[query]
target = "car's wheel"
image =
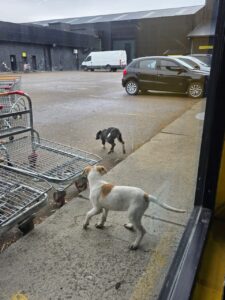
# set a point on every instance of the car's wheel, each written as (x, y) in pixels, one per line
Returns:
(108, 68)
(131, 87)
(195, 90)
(85, 68)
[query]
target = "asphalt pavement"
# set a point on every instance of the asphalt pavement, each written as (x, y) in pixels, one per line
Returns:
(59, 260)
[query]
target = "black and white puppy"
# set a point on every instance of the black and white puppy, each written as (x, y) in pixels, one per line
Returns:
(109, 135)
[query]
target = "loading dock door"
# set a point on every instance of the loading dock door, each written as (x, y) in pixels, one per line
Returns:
(127, 45)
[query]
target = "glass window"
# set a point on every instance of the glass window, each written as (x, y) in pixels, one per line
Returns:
(88, 58)
(148, 64)
(143, 126)
(168, 65)
(188, 61)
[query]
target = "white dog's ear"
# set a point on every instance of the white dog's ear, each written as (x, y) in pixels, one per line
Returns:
(101, 169)
(87, 170)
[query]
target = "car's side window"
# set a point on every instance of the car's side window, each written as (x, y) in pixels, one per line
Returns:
(148, 64)
(134, 65)
(167, 65)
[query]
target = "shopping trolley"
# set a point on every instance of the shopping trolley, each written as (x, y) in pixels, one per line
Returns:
(60, 165)
(9, 83)
(15, 113)
(21, 196)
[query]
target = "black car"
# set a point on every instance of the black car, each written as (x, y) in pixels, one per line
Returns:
(167, 74)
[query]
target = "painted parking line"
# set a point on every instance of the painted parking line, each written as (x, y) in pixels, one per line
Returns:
(19, 296)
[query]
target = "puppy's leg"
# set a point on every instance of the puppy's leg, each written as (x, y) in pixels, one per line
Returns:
(112, 148)
(94, 211)
(135, 215)
(122, 142)
(103, 143)
(100, 225)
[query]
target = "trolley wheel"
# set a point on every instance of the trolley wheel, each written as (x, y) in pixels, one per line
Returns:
(59, 197)
(81, 184)
(26, 226)
(11, 138)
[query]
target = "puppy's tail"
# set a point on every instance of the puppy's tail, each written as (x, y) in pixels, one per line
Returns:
(164, 205)
(163, 190)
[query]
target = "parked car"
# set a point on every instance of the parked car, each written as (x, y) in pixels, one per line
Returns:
(163, 73)
(194, 62)
(206, 58)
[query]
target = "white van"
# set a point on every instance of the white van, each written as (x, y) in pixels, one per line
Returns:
(109, 60)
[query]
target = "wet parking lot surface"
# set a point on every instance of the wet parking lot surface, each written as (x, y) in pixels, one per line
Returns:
(71, 107)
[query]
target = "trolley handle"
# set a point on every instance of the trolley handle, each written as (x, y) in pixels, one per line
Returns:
(21, 93)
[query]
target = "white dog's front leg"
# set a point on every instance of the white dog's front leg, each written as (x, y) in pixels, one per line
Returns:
(100, 225)
(94, 211)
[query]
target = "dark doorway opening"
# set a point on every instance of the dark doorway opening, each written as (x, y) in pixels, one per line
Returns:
(127, 45)
(13, 62)
(33, 63)
(128, 51)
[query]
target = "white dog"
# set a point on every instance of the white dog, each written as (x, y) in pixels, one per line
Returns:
(104, 197)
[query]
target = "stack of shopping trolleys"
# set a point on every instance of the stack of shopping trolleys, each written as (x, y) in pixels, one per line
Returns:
(30, 166)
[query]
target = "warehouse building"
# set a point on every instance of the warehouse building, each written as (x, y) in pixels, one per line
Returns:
(28, 47)
(202, 36)
(153, 32)
(62, 44)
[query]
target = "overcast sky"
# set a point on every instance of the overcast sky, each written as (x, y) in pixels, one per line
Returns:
(37, 10)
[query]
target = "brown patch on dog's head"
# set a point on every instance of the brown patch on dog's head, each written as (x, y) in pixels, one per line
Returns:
(146, 197)
(87, 170)
(106, 189)
(101, 169)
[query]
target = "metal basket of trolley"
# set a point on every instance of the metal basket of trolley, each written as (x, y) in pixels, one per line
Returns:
(60, 165)
(16, 105)
(9, 83)
(21, 197)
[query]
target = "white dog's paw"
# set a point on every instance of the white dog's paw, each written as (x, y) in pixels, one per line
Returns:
(99, 226)
(129, 226)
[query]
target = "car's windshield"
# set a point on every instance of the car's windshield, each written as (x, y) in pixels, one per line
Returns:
(198, 61)
(206, 59)
(185, 64)
(189, 62)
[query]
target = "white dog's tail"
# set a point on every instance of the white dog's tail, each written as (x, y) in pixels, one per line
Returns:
(164, 205)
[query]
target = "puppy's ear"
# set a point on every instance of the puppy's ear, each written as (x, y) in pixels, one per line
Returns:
(98, 134)
(101, 169)
(87, 170)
